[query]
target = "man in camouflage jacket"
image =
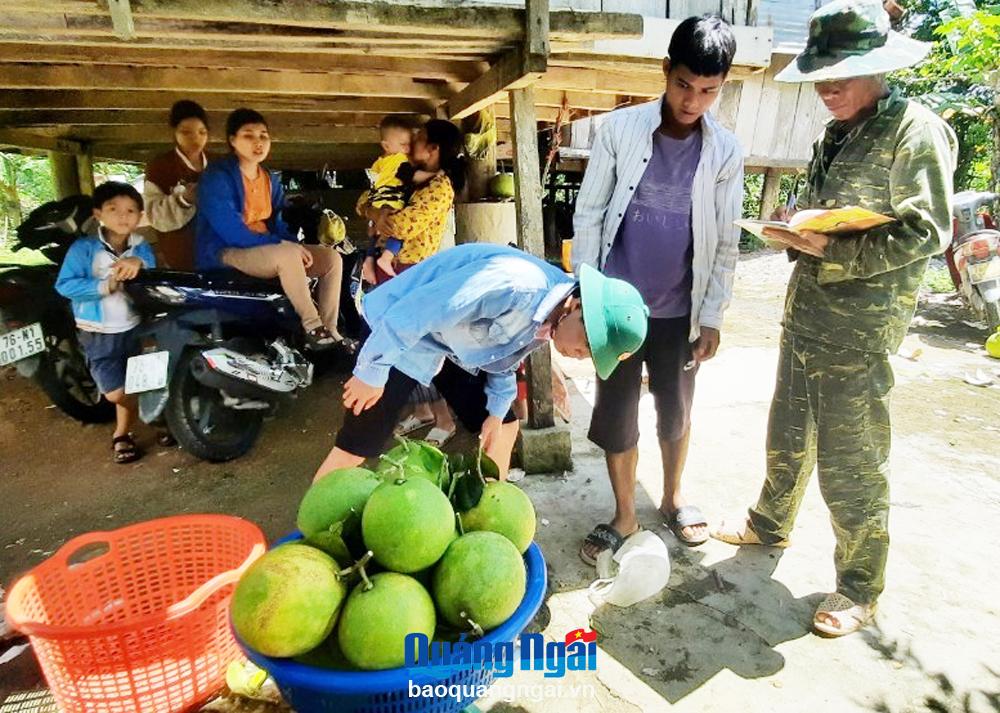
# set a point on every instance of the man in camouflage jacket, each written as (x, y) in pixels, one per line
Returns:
(850, 300)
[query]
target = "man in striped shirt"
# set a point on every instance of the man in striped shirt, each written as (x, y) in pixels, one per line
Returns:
(661, 191)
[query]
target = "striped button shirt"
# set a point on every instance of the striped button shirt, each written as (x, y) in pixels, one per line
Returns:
(620, 155)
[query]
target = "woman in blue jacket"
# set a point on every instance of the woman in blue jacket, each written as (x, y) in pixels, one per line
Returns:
(240, 226)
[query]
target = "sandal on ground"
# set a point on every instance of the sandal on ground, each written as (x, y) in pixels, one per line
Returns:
(743, 534)
(320, 339)
(604, 537)
(348, 346)
(687, 516)
(125, 450)
(165, 439)
(848, 616)
(410, 424)
(437, 437)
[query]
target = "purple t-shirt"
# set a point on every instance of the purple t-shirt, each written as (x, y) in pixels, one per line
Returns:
(653, 249)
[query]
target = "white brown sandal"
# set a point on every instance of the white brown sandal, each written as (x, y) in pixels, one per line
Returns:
(738, 535)
(849, 615)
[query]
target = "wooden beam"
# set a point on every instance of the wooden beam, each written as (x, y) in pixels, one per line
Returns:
(531, 238)
(117, 77)
(346, 16)
(515, 70)
(41, 99)
(537, 27)
(152, 134)
(635, 83)
(580, 100)
(121, 19)
(31, 140)
(297, 156)
(753, 44)
(412, 24)
(158, 117)
(97, 53)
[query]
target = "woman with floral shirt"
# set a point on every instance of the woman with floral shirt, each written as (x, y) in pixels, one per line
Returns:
(437, 148)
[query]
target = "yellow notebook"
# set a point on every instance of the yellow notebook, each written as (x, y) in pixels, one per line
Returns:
(830, 222)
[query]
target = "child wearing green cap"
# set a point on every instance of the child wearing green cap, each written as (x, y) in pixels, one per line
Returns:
(465, 319)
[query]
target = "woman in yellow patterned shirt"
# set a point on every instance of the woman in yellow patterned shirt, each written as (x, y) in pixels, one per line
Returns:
(421, 223)
(437, 148)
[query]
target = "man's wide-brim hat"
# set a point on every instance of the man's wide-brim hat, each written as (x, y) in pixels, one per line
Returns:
(851, 38)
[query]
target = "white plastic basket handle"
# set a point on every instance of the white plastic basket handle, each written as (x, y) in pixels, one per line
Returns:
(196, 598)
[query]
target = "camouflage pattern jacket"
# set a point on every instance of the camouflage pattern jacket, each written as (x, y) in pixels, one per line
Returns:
(900, 163)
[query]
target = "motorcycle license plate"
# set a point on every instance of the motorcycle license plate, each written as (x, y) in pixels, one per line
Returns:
(21, 343)
(146, 372)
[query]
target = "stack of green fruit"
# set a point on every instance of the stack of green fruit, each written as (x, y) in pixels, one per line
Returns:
(422, 544)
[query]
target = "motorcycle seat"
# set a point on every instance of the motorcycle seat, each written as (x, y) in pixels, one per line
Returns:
(229, 280)
(238, 282)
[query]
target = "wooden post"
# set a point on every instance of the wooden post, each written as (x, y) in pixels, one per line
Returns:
(531, 238)
(769, 195)
(85, 171)
(121, 19)
(64, 174)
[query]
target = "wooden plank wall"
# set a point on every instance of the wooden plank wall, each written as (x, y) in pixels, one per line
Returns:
(734, 11)
(775, 123)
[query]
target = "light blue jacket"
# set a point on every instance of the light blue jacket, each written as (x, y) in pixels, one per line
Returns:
(83, 280)
(479, 305)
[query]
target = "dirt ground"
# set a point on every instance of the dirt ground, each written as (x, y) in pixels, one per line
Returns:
(731, 630)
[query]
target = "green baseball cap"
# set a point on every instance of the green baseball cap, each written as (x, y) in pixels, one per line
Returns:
(851, 38)
(615, 318)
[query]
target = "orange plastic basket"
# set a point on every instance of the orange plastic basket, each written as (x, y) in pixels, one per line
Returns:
(137, 619)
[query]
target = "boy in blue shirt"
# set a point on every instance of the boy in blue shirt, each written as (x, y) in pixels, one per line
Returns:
(92, 278)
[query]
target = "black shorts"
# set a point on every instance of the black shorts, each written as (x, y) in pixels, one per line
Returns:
(366, 435)
(614, 425)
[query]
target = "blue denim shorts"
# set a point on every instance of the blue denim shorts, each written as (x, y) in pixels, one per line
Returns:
(107, 355)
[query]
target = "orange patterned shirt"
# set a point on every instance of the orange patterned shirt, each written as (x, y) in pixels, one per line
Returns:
(421, 224)
(257, 202)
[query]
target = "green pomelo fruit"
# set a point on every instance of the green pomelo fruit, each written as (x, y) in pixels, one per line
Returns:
(993, 344)
(408, 524)
(481, 577)
(414, 459)
(375, 622)
(504, 509)
(502, 185)
(286, 603)
(332, 507)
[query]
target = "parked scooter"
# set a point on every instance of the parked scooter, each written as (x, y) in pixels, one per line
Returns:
(233, 349)
(37, 329)
(974, 255)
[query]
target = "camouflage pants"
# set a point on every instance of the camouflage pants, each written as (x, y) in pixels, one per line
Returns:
(831, 410)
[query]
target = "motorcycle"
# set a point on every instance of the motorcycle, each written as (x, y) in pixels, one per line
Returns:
(974, 255)
(37, 329)
(228, 352)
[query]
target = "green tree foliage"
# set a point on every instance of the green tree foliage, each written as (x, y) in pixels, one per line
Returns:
(958, 79)
(26, 183)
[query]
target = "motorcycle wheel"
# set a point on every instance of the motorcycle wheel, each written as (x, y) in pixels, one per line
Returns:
(201, 424)
(64, 377)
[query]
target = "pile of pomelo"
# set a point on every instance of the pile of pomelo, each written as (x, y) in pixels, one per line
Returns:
(422, 544)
